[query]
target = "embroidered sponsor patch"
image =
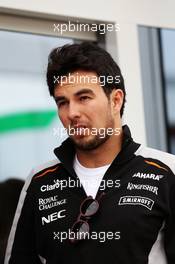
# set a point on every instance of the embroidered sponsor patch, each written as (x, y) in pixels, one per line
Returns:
(50, 202)
(150, 188)
(148, 176)
(136, 200)
(53, 217)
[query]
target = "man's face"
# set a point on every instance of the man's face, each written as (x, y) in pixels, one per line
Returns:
(85, 111)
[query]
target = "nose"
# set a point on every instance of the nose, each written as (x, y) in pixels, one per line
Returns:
(73, 111)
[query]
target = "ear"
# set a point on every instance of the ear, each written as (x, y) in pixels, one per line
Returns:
(117, 97)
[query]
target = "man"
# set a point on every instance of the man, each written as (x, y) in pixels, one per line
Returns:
(105, 198)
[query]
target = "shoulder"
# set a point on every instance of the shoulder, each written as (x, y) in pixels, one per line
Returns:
(46, 168)
(163, 158)
(41, 172)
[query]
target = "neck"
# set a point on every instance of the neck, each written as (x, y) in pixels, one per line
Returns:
(103, 155)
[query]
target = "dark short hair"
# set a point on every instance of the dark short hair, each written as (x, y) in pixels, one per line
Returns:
(85, 56)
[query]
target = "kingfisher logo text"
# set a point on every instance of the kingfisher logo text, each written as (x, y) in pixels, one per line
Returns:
(148, 176)
(132, 186)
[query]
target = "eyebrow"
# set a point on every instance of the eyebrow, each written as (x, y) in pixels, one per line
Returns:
(82, 91)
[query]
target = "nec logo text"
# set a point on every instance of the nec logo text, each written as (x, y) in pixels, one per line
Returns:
(53, 217)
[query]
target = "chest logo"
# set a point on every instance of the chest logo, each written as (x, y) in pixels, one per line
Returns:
(133, 186)
(152, 176)
(53, 217)
(136, 200)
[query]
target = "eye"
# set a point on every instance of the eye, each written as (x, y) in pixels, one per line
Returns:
(84, 98)
(61, 103)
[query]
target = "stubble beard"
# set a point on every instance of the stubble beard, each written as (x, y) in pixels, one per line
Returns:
(95, 141)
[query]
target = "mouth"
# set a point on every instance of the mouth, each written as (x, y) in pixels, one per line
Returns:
(80, 130)
(79, 126)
